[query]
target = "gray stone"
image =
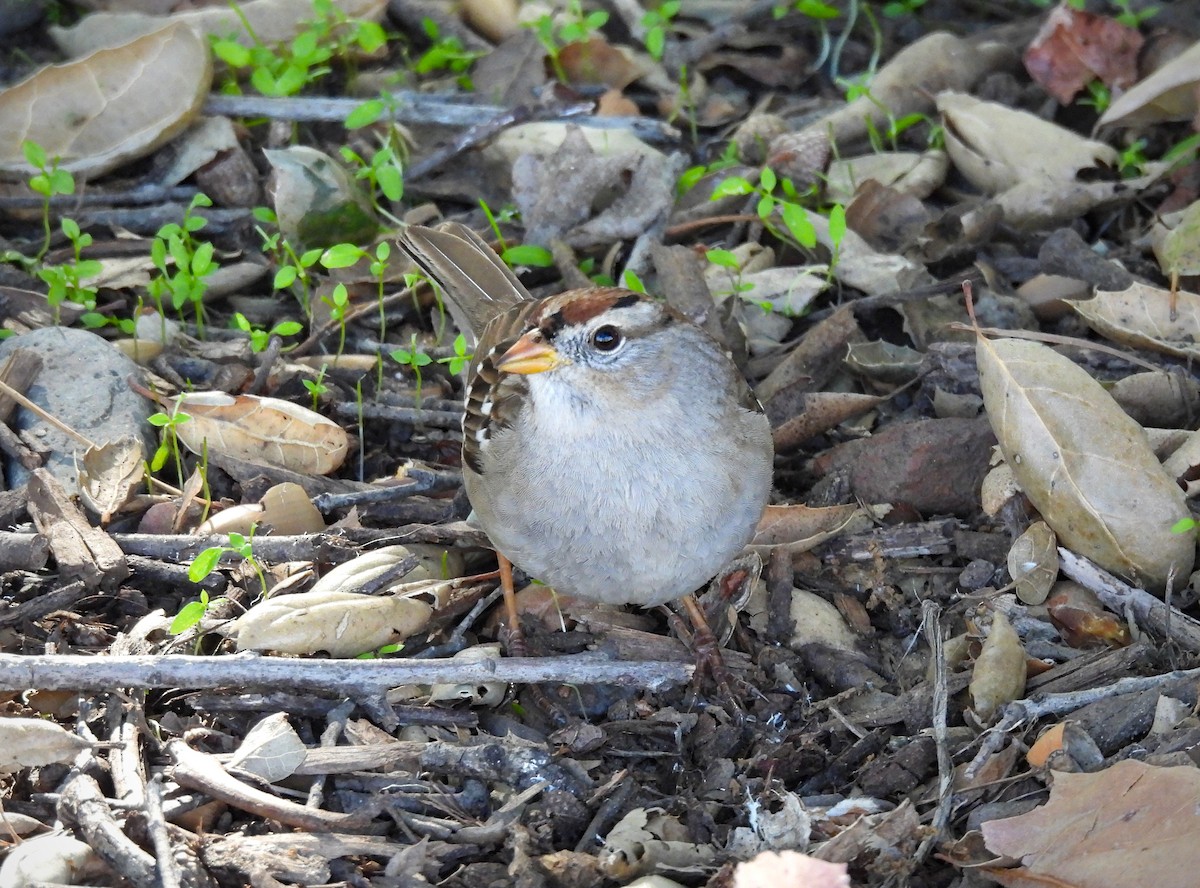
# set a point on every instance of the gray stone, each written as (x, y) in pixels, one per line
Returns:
(83, 384)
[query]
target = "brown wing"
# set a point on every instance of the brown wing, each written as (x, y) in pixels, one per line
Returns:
(477, 283)
(493, 398)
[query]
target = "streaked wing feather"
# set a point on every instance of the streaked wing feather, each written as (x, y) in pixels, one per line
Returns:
(477, 283)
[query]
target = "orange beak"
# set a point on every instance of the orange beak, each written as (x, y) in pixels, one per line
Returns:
(530, 354)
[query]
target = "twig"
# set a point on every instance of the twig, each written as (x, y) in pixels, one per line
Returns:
(932, 626)
(358, 678)
(1161, 620)
(11, 392)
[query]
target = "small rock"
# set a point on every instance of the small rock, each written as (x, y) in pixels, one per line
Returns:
(83, 384)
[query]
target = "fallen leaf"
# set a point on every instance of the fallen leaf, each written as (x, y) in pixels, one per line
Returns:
(1081, 460)
(1099, 829)
(1033, 562)
(1074, 47)
(1140, 316)
(1167, 94)
(343, 624)
(999, 673)
(33, 742)
(261, 430)
(109, 108)
(272, 21)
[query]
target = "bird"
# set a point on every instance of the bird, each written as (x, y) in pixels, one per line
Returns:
(611, 448)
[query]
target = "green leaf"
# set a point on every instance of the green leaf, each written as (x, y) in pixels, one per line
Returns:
(204, 563)
(766, 203)
(631, 281)
(837, 224)
(528, 254)
(287, 328)
(767, 179)
(285, 277)
(342, 256)
(365, 114)
(34, 153)
(1184, 525)
(202, 259)
(391, 182)
(731, 186)
(723, 258)
(232, 53)
(798, 224)
(189, 615)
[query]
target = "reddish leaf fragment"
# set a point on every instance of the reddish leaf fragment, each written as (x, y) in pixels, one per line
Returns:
(1074, 47)
(1099, 829)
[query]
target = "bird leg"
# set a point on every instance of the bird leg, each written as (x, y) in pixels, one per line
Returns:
(706, 647)
(514, 638)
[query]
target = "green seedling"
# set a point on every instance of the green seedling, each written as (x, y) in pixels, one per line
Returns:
(657, 23)
(461, 357)
(239, 544)
(376, 654)
(65, 282)
(181, 280)
(259, 338)
(338, 302)
(317, 388)
(285, 70)
(813, 9)
(49, 182)
(413, 356)
(169, 446)
(575, 26)
(446, 53)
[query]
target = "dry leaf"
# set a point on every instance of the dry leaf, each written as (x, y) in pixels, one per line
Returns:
(425, 562)
(1074, 47)
(1141, 316)
(112, 107)
(645, 840)
(1179, 251)
(1167, 94)
(343, 624)
(998, 148)
(1099, 829)
(999, 673)
(800, 527)
(54, 859)
(476, 693)
(908, 172)
(317, 202)
(597, 62)
(1085, 465)
(273, 22)
(1081, 618)
(109, 474)
(33, 742)
(271, 750)
(262, 430)
(1033, 562)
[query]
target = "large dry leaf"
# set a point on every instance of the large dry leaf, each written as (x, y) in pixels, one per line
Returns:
(112, 107)
(997, 147)
(1167, 94)
(343, 624)
(273, 22)
(262, 430)
(1083, 462)
(1141, 316)
(33, 742)
(1098, 830)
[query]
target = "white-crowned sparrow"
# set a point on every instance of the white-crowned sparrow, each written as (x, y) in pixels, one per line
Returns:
(611, 448)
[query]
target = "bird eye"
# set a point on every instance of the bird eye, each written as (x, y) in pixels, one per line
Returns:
(607, 338)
